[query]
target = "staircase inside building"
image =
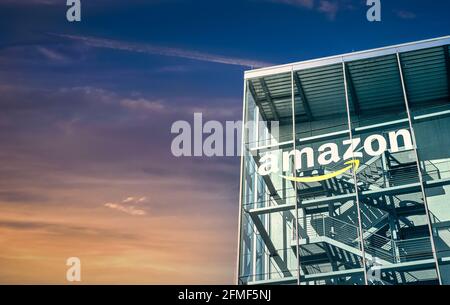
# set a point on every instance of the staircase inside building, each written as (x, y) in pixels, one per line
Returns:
(333, 243)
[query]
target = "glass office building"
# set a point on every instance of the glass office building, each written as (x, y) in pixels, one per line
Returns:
(345, 172)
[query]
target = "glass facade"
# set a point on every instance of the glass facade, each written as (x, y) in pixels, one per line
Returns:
(345, 172)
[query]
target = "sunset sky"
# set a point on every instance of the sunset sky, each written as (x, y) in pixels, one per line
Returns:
(86, 109)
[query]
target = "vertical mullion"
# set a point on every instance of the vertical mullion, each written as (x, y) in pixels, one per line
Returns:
(419, 170)
(266, 216)
(295, 175)
(255, 194)
(361, 233)
(238, 261)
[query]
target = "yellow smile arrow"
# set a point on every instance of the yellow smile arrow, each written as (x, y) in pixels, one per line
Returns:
(352, 164)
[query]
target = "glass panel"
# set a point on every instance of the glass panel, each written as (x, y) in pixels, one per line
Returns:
(268, 200)
(393, 217)
(329, 241)
(428, 82)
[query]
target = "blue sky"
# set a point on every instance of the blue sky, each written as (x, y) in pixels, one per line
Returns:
(86, 115)
(272, 31)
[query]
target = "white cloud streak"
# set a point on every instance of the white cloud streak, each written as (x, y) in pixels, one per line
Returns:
(52, 55)
(142, 104)
(127, 206)
(162, 51)
(405, 14)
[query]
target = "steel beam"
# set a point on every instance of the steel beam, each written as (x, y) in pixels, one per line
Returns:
(252, 90)
(302, 94)
(269, 99)
(351, 89)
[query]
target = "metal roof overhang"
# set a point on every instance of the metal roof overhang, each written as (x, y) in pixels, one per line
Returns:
(373, 77)
(423, 44)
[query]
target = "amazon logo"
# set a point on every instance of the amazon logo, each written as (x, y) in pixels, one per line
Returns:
(330, 153)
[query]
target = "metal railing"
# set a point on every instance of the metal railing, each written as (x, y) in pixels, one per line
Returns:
(434, 173)
(414, 249)
(436, 170)
(377, 246)
(326, 226)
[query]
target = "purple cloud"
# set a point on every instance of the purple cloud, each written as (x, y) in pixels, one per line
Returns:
(405, 14)
(329, 8)
(300, 3)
